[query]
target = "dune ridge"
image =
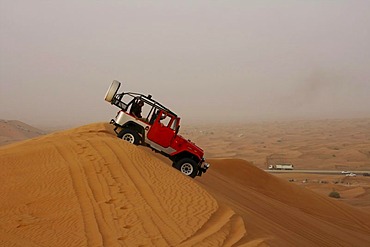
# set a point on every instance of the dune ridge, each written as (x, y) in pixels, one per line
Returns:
(85, 187)
(13, 131)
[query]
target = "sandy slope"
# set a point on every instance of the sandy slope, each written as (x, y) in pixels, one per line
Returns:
(13, 131)
(281, 213)
(85, 187)
(354, 191)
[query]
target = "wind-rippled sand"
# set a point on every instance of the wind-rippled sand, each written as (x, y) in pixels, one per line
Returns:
(86, 187)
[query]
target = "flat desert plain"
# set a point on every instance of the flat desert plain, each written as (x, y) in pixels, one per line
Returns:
(86, 187)
(321, 144)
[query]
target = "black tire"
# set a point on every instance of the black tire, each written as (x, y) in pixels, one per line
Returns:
(129, 135)
(188, 167)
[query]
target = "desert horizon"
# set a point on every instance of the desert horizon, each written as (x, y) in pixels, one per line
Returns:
(334, 144)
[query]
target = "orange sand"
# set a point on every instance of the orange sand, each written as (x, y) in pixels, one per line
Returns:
(86, 187)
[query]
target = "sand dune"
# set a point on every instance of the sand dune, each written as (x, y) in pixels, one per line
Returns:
(13, 131)
(85, 187)
(281, 213)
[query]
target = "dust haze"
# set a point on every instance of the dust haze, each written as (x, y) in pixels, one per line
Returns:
(209, 61)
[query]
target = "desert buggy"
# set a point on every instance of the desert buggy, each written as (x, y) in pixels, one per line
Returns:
(157, 128)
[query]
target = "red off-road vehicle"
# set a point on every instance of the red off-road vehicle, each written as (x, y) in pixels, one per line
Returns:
(157, 128)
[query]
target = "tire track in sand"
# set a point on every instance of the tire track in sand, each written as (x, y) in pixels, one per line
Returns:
(129, 198)
(109, 209)
(206, 214)
(78, 177)
(224, 228)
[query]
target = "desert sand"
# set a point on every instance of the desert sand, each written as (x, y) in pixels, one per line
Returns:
(354, 191)
(333, 144)
(86, 187)
(13, 131)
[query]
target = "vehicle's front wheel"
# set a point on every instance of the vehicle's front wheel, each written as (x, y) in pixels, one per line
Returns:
(187, 166)
(129, 135)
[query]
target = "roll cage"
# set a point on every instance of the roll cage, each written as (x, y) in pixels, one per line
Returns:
(126, 100)
(134, 98)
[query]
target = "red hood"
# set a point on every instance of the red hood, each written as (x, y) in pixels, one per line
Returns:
(190, 146)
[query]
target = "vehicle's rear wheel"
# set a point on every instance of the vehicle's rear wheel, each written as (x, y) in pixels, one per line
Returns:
(112, 90)
(187, 166)
(129, 135)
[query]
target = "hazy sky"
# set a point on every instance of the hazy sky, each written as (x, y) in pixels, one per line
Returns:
(206, 60)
